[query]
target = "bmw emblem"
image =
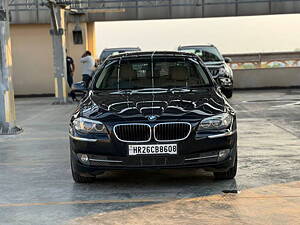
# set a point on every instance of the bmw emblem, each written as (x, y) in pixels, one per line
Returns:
(152, 118)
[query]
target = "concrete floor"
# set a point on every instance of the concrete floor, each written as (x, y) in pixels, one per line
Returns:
(37, 188)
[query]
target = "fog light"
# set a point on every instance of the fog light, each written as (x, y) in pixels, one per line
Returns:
(83, 158)
(223, 154)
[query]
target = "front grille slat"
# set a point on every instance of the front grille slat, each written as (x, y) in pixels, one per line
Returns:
(133, 132)
(172, 131)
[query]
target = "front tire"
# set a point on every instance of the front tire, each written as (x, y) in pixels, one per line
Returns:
(230, 174)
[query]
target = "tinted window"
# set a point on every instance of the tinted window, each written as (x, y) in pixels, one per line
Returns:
(145, 73)
(77, 37)
(107, 53)
(207, 54)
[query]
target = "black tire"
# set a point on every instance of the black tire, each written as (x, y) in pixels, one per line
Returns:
(228, 93)
(230, 174)
(80, 179)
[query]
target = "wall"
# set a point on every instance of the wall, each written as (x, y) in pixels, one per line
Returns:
(274, 77)
(32, 62)
(32, 56)
(32, 59)
(76, 51)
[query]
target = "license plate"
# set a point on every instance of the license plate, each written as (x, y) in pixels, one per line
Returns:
(170, 149)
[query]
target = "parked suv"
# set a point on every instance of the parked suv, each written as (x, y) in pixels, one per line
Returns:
(216, 63)
(152, 110)
(113, 51)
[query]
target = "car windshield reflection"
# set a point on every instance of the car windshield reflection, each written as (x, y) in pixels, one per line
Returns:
(152, 73)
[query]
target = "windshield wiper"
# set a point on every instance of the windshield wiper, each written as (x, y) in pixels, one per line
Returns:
(155, 90)
(150, 90)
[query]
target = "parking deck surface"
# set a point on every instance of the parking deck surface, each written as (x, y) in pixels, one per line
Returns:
(36, 185)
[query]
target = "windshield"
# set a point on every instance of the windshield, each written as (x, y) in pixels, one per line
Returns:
(151, 73)
(206, 53)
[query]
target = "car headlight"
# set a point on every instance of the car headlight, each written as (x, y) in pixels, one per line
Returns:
(222, 71)
(220, 121)
(226, 71)
(89, 126)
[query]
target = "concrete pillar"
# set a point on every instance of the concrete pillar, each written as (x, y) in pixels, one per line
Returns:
(91, 39)
(59, 53)
(7, 104)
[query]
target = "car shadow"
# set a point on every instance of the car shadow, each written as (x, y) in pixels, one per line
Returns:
(124, 190)
(165, 183)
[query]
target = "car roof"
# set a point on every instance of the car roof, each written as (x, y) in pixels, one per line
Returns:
(153, 53)
(196, 46)
(117, 49)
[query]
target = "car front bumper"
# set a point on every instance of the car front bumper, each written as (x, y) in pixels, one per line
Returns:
(198, 151)
(226, 83)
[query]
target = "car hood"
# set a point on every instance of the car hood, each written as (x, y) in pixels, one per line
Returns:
(152, 104)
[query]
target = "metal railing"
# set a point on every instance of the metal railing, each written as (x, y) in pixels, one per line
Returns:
(27, 5)
(33, 11)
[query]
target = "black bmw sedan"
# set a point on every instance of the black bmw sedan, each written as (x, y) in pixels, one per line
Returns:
(152, 110)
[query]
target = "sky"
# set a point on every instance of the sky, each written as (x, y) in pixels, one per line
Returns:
(247, 34)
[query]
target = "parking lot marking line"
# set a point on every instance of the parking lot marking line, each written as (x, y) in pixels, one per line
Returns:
(43, 163)
(285, 129)
(88, 202)
(203, 198)
(36, 139)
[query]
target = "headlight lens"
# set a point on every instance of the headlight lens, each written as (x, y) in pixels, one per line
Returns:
(226, 70)
(89, 126)
(220, 121)
(222, 71)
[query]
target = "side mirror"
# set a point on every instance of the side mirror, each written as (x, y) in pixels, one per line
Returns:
(227, 60)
